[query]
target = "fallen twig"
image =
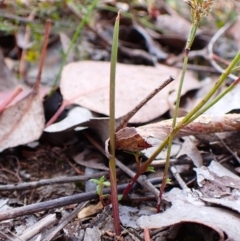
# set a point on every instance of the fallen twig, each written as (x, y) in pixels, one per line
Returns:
(64, 222)
(37, 227)
(55, 203)
(45, 182)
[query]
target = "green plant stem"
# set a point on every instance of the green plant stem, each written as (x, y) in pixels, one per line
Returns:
(170, 140)
(192, 35)
(183, 122)
(220, 96)
(199, 106)
(73, 41)
(112, 164)
(221, 79)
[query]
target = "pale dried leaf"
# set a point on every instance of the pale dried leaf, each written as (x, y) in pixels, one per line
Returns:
(189, 148)
(75, 116)
(229, 102)
(128, 216)
(221, 171)
(92, 159)
(22, 122)
(220, 220)
(175, 148)
(218, 188)
(23, 94)
(87, 83)
(90, 210)
(92, 234)
(100, 127)
(129, 139)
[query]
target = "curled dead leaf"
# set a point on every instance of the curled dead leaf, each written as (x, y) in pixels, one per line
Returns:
(128, 139)
(136, 139)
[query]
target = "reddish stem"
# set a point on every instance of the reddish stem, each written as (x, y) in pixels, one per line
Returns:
(43, 55)
(58, 113)
(146, 235)
(10, 98)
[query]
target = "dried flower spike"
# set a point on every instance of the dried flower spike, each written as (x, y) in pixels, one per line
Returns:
(200, 8)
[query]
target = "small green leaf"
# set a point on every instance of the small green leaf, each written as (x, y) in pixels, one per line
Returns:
(98, 190)
(168, 181)
(120, 197)
(150, 169)
(107, 184)
(96, 181)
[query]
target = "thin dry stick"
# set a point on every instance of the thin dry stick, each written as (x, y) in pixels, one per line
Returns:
(3, 169)
(43, 55)
(124, 119)
(45, 182)
(36, 228)
(17, 18)
(178, 178)
(7, 236)
(55, 203)
(64, 104)
(216, 36)
(65, 221)
(228, 148)
(146, 235)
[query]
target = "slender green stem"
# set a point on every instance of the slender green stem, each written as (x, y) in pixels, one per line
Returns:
(208, 106)
(192, 35)
(185, 62)
(73, 40)
(112, 164)
(221, 79)
(191, 113)
(187, 49)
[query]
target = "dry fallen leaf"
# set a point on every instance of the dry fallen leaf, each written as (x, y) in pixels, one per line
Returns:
(87, 83)
(187, 208)
(75, 116)
(229, 102)
(91, 159)
(23, 122)
(219, 186)
(129, 139)
(90, 210)
(162, 155)
(189, 148)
